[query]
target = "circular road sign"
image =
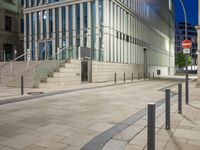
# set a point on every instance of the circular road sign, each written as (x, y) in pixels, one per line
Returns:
(186, 44)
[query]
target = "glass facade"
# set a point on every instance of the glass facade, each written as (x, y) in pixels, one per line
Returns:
(116, 31)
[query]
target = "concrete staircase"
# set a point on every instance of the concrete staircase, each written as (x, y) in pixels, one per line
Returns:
(63, 74)
(68, 73)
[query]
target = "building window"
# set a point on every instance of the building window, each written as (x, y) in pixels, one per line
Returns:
(9, 1)
(8, 23)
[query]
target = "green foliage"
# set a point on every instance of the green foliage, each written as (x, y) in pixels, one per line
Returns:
(181, 58)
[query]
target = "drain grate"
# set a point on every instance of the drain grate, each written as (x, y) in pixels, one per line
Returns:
(35, 93)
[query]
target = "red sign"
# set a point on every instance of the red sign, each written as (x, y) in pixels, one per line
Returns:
(186, 44)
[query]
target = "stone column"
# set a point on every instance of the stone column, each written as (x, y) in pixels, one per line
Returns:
(111, 33)
(30, 32)
(36, 36)
(97, 30)
(81, 25)
(106, 30)
(60, 27)
(89, 25)
(67, 27)
(41, 25)
(47, 24)
(74, 32)
(25, 33)
(115, 33)
(54, 33)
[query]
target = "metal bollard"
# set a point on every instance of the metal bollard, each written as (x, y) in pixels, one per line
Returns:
(115, 78)
(149, 75)
(167, 109)
(132, 76)
(180, 98)
(22, 85)
(151, 126)
(138, 76)
(124, 77)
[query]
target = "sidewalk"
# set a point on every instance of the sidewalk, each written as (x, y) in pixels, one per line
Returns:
(184, 133)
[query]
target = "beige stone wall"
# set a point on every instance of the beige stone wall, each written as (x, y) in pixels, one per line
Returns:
(104, 71)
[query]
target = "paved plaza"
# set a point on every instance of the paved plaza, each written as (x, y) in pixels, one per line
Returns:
(73, 120)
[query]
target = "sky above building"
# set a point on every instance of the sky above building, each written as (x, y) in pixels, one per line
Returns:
(191, 9)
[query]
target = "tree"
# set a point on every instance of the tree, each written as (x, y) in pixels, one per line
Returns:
(181, 58)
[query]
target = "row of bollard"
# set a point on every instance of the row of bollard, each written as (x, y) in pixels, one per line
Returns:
(151, 119)
(139, 77)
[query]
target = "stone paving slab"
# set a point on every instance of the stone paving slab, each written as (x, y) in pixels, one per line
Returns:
(70, 120)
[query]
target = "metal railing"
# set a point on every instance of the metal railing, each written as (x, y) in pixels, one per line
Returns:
(52, 64)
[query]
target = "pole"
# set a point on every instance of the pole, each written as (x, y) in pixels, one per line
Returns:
(167, 109)
(132, 76)
(115, 78)
(186, 69)
(124, 77)
(149, 75)
(151, 126)
(22, 85)
(180, 98)
(138, 76)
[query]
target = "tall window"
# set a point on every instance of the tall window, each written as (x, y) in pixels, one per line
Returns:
(8, 23)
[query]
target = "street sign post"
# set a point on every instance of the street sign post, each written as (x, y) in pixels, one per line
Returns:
(186, 44)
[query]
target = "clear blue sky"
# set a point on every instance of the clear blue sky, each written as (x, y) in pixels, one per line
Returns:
(192, 11)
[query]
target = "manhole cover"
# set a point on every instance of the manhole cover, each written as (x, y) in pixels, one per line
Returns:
(35, 93)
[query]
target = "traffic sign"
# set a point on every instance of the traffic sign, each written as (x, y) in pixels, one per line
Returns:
(186, 51)
(186, 44)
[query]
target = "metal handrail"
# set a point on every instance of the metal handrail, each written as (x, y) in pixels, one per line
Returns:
(12, 60)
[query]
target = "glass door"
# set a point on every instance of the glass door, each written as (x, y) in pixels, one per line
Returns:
(42, 50)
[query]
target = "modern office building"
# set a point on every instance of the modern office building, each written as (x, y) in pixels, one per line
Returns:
(180, 36)
(11, 29)
(123, 35)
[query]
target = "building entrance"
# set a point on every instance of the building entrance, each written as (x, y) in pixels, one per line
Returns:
(145, 63)
(84, 71)
(45, 50)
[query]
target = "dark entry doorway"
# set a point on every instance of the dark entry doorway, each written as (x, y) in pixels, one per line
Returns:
(84, 71)
(145, 63)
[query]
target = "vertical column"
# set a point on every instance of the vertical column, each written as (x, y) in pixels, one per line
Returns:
(30, 31)
(115, 33)
(81, 25)
(106, 30)
(119, 33)
(25, 33)
(89, 25)
(97, 29)
(121, 30)
(125, 32)
(128, 46)
(29, 3)
(74, 32)
(47, 24)
(111, 33)
(60, 27)
(41, 25)
(54, 32)
(67, 27)
(36, 37)
(25, 4)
